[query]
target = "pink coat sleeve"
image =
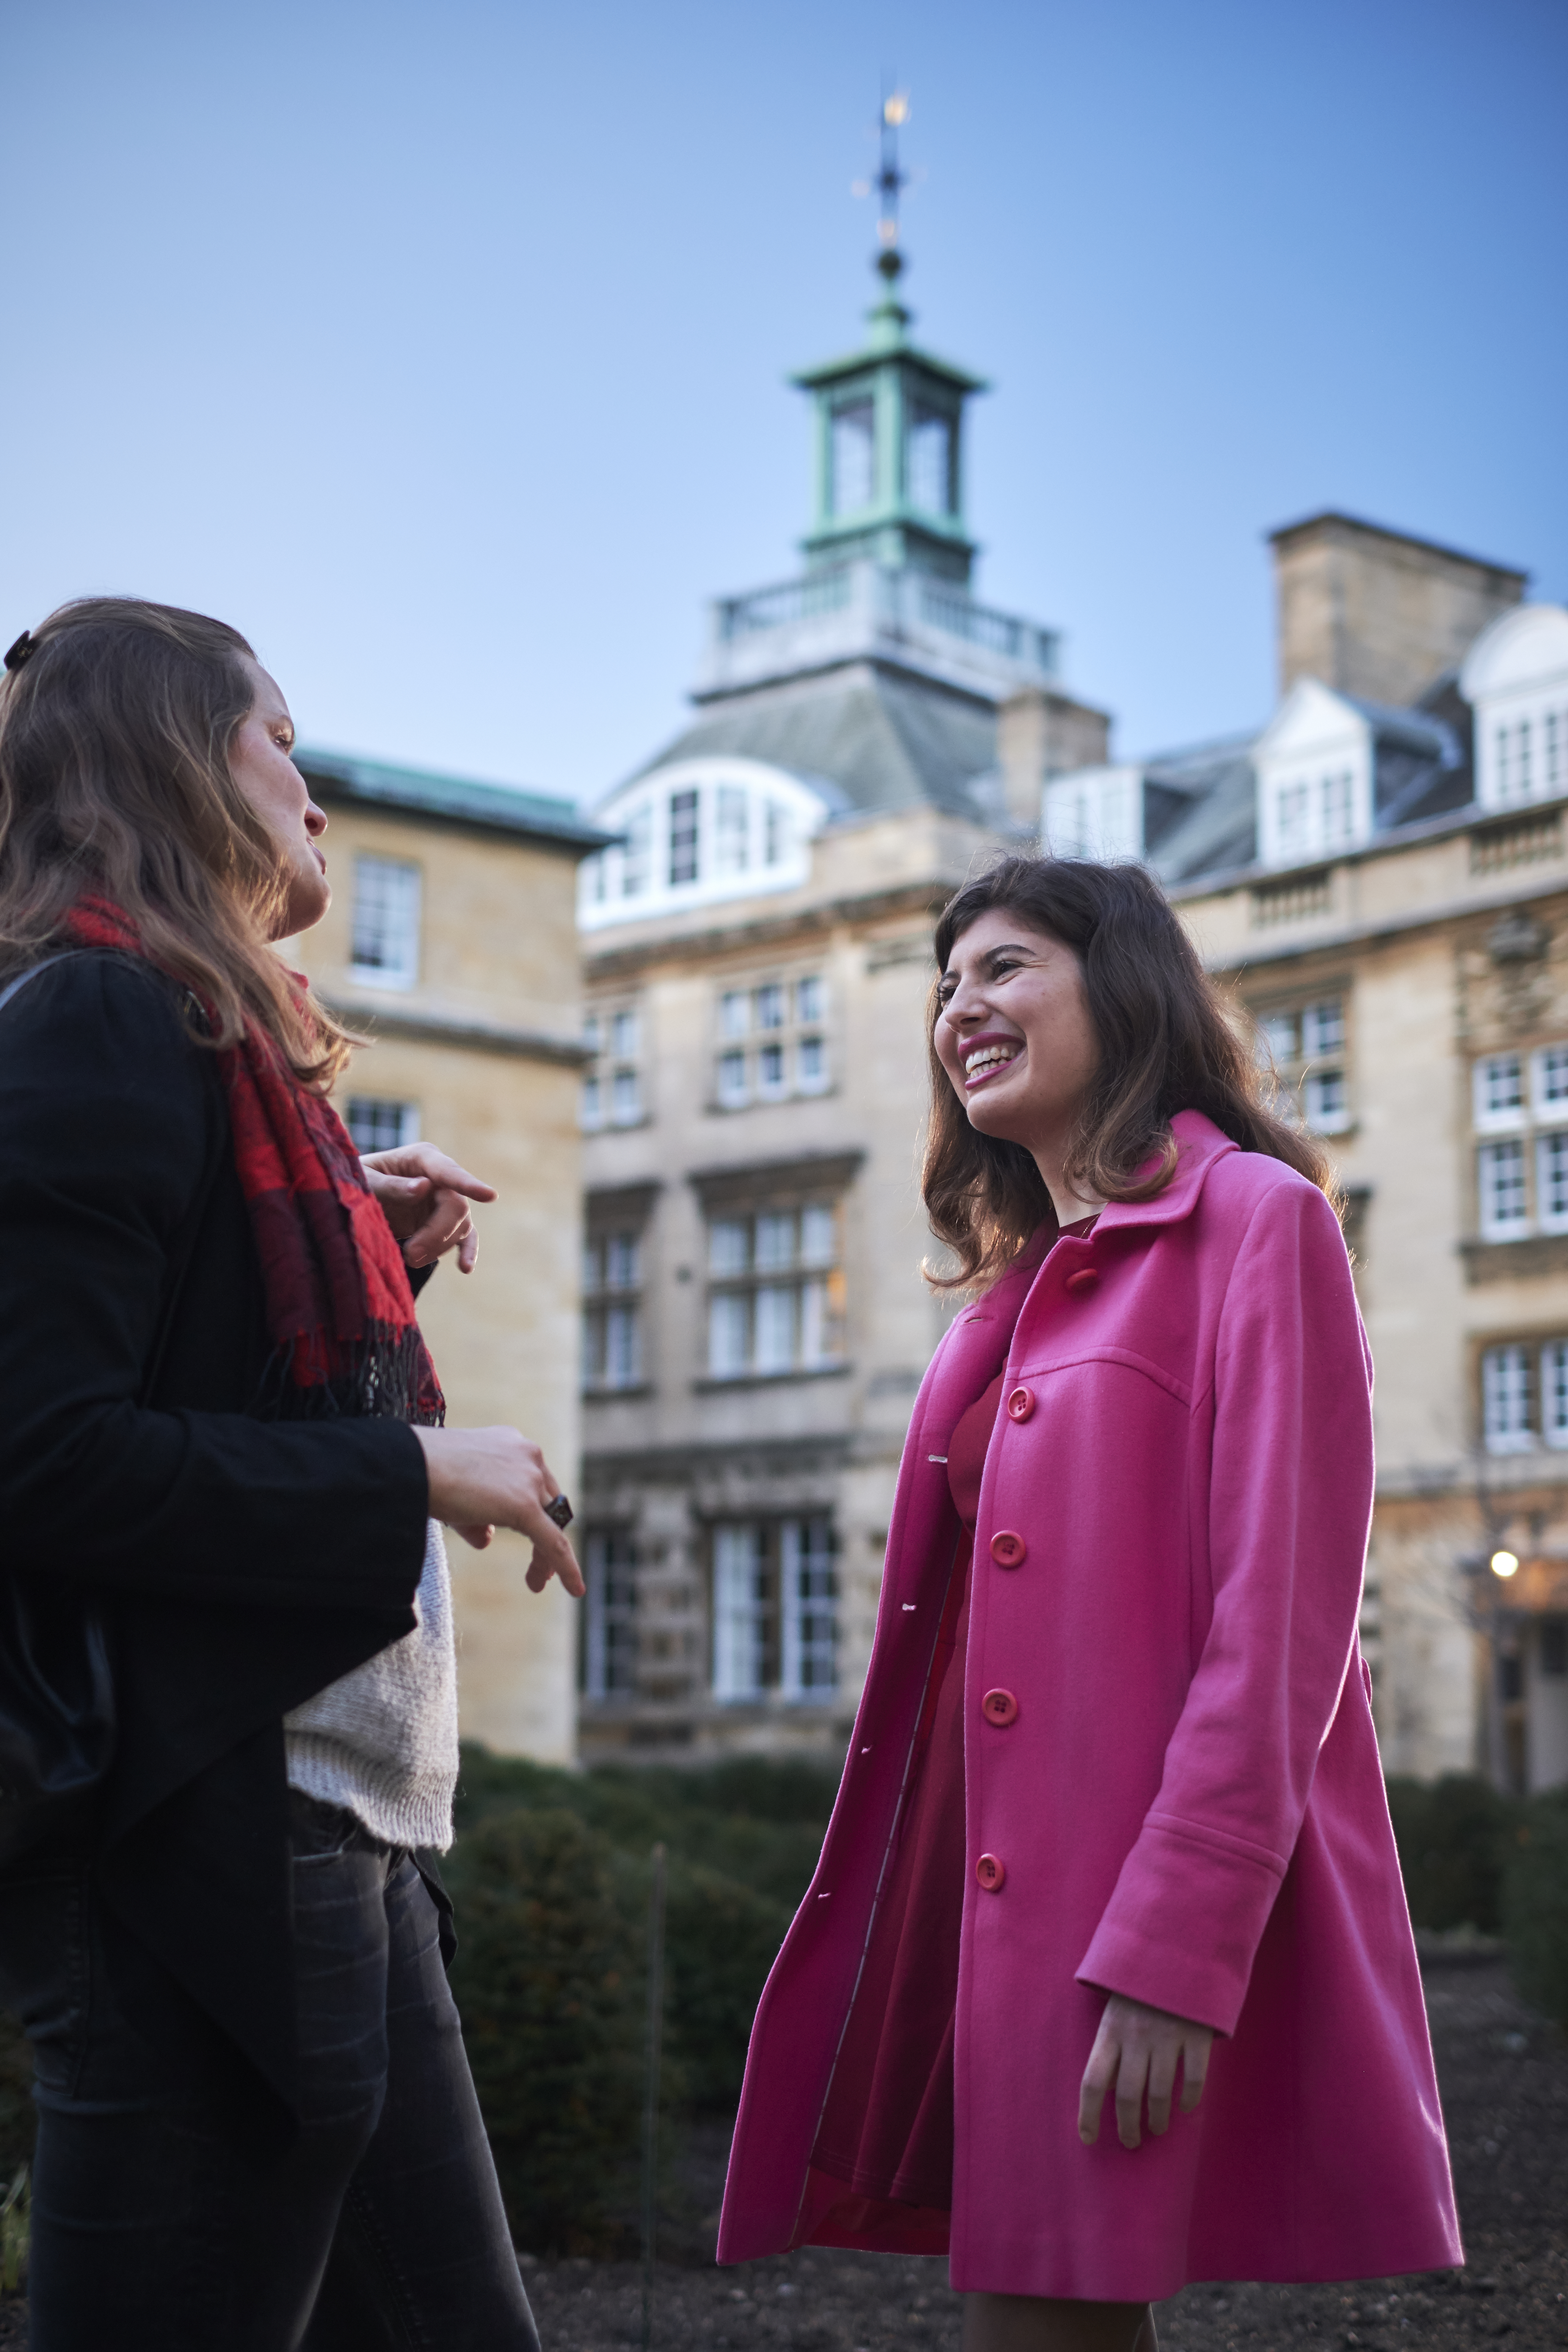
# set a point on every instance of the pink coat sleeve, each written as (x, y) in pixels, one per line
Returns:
(1290, 1509)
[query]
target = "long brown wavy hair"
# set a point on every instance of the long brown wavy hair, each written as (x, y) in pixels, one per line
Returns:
(115, 777)
(1166, 1045)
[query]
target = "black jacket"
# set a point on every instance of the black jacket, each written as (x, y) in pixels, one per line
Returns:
(243, 1563)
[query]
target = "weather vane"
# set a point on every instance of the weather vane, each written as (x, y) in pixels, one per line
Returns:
(890, 178)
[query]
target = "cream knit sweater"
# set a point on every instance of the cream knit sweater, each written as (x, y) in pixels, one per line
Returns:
(383, 1741)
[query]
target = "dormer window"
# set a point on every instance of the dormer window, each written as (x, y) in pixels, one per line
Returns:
(702, 830)
(1314, 764)
(1515, 676)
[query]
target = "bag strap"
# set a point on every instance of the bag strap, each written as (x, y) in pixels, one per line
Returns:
(184, 1244)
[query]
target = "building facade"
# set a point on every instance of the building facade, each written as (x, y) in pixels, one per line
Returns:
(757, 946)
(1381, 877)
(451, 942)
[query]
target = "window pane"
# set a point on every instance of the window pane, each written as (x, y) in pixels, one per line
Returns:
(386, 921)
(1499, 1090)
(1552, 729)
(727, 1246)
(851, 454)
(1552, 1181)
(621, 1261)
(808, 1592)
(637, 852)
(771, 1070)
(1293, 820)
(931, 462)
(593, 1266)
(592, 1034)
(777, 834)
(811, 1064)
(1339, 814)
(734, 1012)
(771, 1006)
(808, 1000)
(624, 1036)
(775, 1329)
(1325, 1101)
(1554, 1392)
(818, 1236)
(732, 1079)
(626, 1099)
(776, 1239)
(622, 1352)
(1279, 1032)
(593, 1363)
(1552, 1081)
(727, 1336)
(682, 837)
(378, 1126)
(1506, 1399)
(1523, 747)
(592, 1102)
(1502, 1191)
(609, 1623)
(739, 1629)
(1324, 1027)
(730, 830)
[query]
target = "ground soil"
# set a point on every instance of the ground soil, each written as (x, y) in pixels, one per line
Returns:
(1504, 2078)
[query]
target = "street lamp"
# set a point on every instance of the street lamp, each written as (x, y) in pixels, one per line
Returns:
(1505, 1564)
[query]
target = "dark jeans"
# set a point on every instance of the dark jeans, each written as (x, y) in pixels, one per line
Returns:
(381, 2228)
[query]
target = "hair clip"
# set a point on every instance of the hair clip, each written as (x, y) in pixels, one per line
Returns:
(22, 651)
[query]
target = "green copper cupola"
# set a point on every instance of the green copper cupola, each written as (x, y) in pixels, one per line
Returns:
(889, 444)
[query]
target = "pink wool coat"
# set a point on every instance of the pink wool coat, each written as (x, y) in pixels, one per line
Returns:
(1187, 1805)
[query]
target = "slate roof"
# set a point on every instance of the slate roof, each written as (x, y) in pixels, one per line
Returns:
(886, 740)
(459, 799)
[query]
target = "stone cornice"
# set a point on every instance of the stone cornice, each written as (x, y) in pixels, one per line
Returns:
(412, 1025)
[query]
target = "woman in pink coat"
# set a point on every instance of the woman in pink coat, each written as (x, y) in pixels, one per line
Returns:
(1112, 1826)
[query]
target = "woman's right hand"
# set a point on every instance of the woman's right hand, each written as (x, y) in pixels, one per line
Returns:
(481, 1479)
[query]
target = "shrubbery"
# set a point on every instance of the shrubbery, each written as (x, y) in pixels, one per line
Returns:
(550, 1878)
(1452, 1835)
(1535, 1904)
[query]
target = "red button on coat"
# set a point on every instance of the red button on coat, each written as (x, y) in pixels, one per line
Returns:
(1020, 1404)
(1007, 1549)
(1000, 1708)
(990, 1874)
(1086, 1278)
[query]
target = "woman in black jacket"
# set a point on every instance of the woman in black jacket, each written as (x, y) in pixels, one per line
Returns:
(220, 1439)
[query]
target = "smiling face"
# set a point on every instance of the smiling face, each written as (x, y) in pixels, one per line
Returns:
(260, 764)
(1014, 1036)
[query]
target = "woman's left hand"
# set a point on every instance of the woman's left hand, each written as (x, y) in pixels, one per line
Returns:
(424, 1198)
(1138, 2049)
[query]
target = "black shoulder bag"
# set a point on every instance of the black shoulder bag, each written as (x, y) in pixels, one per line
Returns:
(57, 1683)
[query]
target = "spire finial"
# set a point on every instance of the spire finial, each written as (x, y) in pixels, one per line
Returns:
(891, 180)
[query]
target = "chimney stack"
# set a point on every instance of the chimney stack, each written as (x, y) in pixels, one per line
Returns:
(1040, 735)
(1376, 613)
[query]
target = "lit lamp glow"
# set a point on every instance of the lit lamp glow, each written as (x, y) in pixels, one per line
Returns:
(1505, 1564)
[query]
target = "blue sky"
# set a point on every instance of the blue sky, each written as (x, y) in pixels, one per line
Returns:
(443, 348)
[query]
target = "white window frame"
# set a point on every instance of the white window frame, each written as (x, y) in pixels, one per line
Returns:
(777, 1291)
(808, 1599)
(1490, 1159)
(1507, 1404)
(1493, 1118)
(740, 1604)
(611, 1603)
(392, 925)
(1554, 1393)
(359, 1110)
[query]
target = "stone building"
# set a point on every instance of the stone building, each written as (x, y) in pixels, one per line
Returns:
(1381, 874)
(757, 952)
(451, 940)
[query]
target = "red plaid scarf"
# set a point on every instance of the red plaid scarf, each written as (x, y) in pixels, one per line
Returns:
(338, 1302)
